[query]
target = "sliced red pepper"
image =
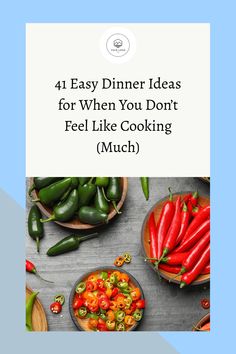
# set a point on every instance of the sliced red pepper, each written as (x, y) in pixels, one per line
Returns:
(140, 304)
(91, 286)
(104, 303)
(114, 292)
(78, 302)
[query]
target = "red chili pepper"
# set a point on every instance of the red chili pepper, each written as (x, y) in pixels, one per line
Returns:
(152, 236)
(170, 240)
(194, 198)
(30, 268)
(77, 302)
(186, 199)
(140, 304)
(196, 210)
(189, 277)
(185, 218)
(176, 269)
(56, 307)
(205, 303)
(203, 215)
(175, 258)
(165, 221)
(114, 292)
(169, 268)
(193, 256)
(207, 269)
(193, 238)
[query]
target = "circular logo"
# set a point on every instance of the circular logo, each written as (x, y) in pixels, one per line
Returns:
(118, 45)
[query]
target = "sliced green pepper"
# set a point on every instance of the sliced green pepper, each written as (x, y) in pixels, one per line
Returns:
(127, 302)
(120, 326)
(103, 316)
(60, 298)
(92, 315)
(82, 311)
(108, 284)
(104, 275)
(137, 315)
(113, 278)
(80, 288)
(122, 285)
(119, 315)
(127, 257)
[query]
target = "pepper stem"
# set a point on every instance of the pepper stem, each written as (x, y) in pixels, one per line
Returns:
(104, 195)
(182, 271)
(37, 243)
(115, 207)
(52, 217)
(35, 200)
(87, 237)
(38, 275)
(171, 195)
(31, 189)
(91, 180)
(182, 284)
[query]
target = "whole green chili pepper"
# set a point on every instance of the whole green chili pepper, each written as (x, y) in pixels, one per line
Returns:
(68, 244)
(29, 310)
(41, 182)
(83, 180)
(86, 193)
(52, 193)
(90, 215)
(114, 192)
(100, 202)
(66, 210)
(102, 181)
(145, 186)
(35, 227)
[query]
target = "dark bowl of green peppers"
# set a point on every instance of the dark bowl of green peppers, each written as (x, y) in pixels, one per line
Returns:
(80, 203)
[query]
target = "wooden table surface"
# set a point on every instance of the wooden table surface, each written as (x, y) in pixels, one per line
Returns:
(168, 307)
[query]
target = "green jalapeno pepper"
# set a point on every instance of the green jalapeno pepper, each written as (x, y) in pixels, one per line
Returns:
(126, 291)
(90, 215)
(41, 182)
(114, 192)
(83, 180)
(66, 210)
(104, 275)
(86, 193)
(120, 327)
(103, 316)
(68, 244)
(122, 285)
(100, 202)
(145, 186)
(102, 181)
(35, 227)
(29, 310)
(113, 279)
(127, 257)
(60, 298)
(92, 315)
(127, 302)
(137, 315)
(119, 315)
(52, 193)
(108, 284)
(80, 288)
(82, 312)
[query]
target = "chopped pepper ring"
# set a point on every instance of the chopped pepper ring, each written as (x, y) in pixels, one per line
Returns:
(127, 257)
(119, 261)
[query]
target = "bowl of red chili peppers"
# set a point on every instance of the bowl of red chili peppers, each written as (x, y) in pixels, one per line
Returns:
(107, 299)
(176, 238)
